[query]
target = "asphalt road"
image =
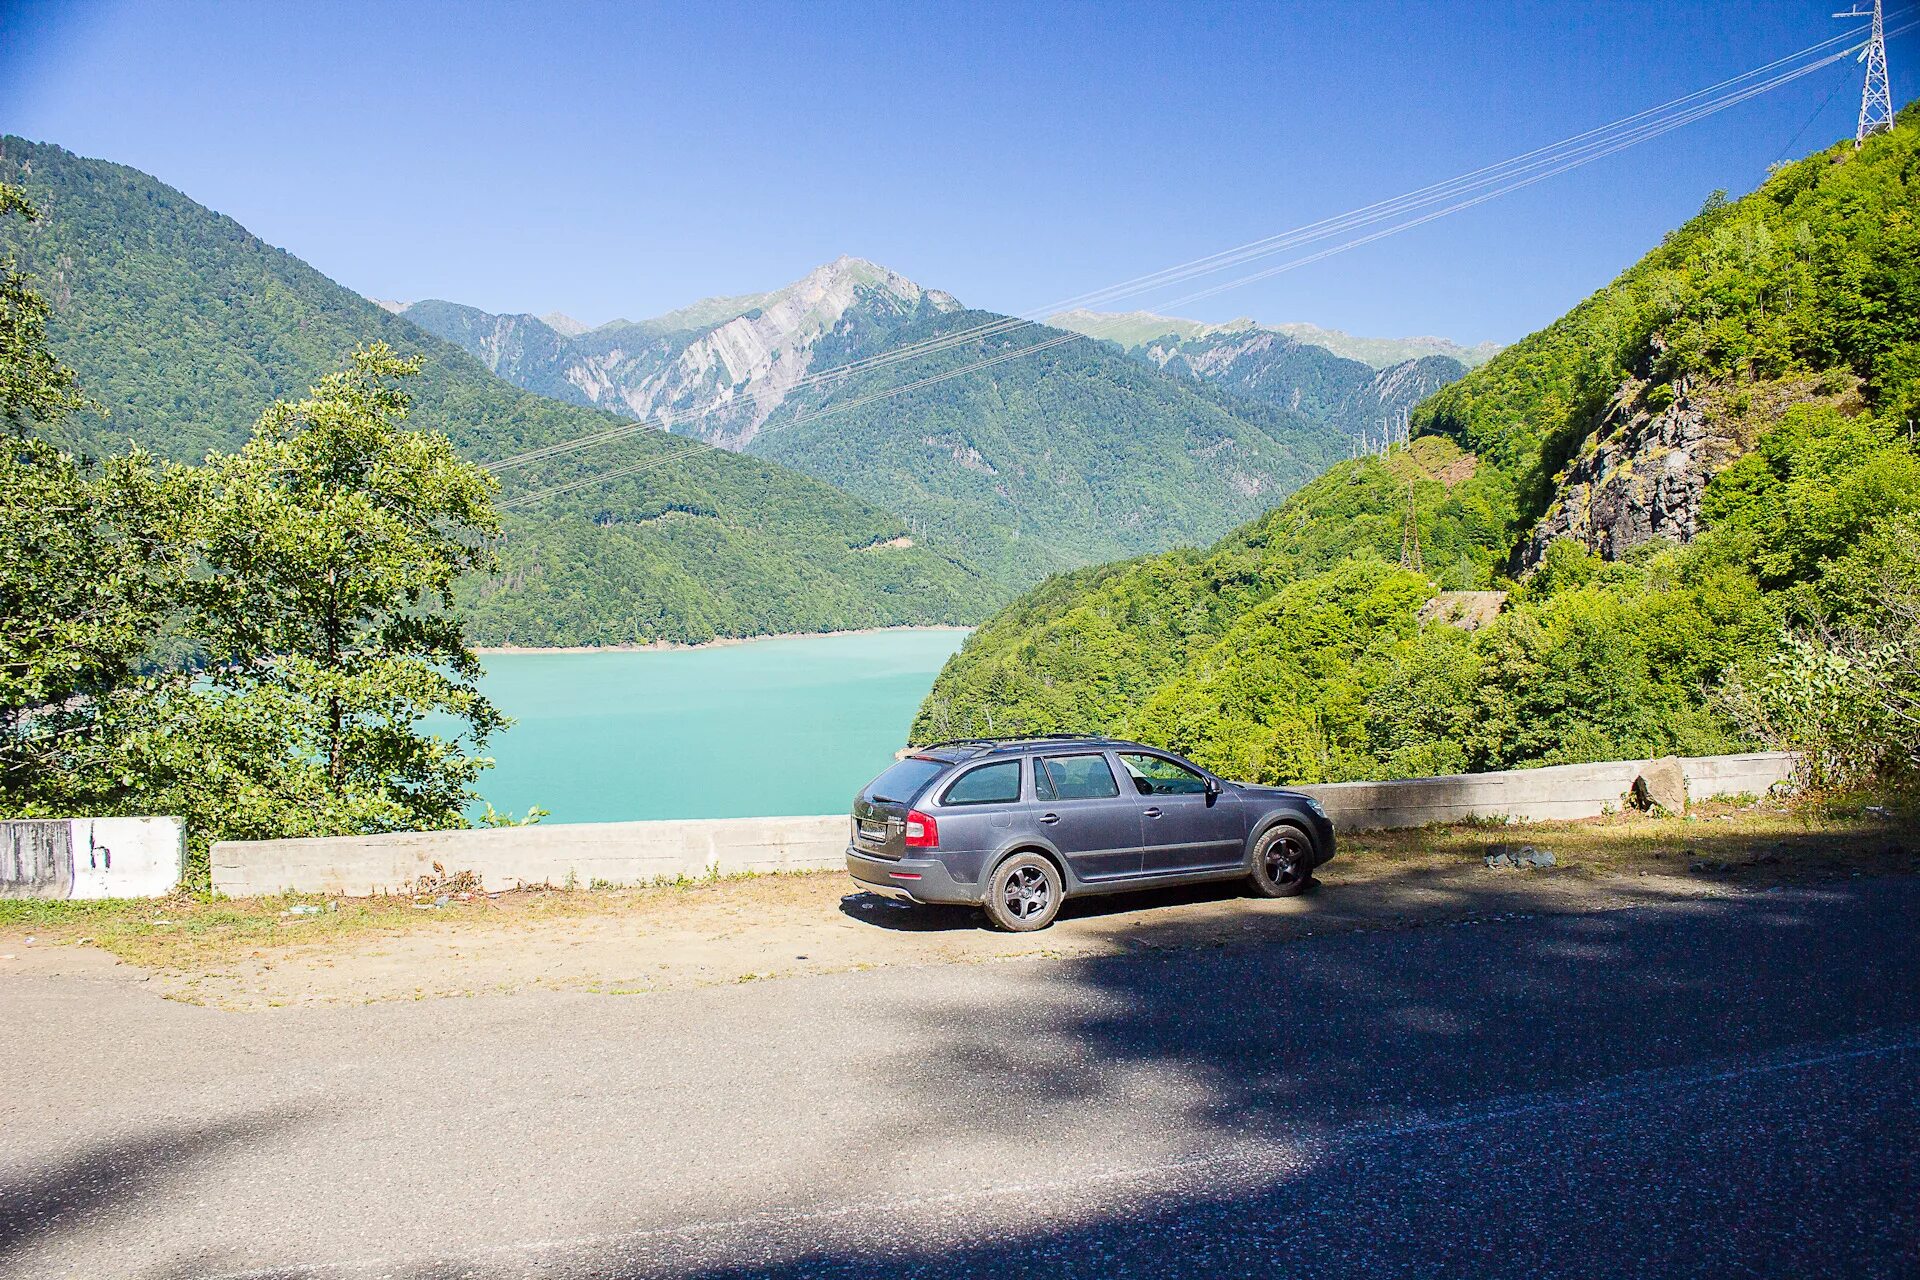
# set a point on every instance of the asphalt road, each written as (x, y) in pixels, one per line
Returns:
(1728, 1087)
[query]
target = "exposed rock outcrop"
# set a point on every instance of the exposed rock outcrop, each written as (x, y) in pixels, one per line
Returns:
(1642, 473)
(1467, 610)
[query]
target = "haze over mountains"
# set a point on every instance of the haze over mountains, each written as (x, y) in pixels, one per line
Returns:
(1138, 328)
(948, 486)
(1029, 463)
(184, 327)
(735, 359)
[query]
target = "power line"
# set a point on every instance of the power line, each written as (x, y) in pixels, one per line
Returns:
(1324, 228)
(1544, 162)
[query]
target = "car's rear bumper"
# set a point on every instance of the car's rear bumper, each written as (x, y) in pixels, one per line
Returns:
(908, 879)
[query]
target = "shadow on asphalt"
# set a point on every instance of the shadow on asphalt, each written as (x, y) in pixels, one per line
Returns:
(92, 1189)
(1432, 1045)
(1624, 1093)
(906, 917)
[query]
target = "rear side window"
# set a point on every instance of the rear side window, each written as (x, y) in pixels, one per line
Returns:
(904, 780)
(989, 784)
(1074, 778)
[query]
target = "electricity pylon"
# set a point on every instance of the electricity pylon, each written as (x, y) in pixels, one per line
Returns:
(1876, 99)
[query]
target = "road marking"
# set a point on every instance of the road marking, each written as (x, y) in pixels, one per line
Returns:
(1234, 1162)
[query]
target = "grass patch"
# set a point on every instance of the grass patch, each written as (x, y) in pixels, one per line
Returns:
(1727, 842)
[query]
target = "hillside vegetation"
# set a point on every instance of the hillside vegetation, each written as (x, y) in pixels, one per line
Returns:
(1731, 420)
(183, 327)
(1049, 461)
(1039, 463)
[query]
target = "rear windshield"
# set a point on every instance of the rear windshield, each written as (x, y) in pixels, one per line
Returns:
(904, 780)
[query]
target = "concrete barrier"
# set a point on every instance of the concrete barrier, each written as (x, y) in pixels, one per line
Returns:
(1553, 794)
(584, 854)
(91, 857)
(625, 853)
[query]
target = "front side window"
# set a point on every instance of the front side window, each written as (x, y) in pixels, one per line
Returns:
(989, 784)
(1159, 776)
(1075, 778)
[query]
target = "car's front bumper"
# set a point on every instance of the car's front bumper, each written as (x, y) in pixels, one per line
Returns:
(908, 879)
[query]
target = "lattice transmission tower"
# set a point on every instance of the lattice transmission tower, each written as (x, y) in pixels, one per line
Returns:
(1410, 537)
(1876, 99)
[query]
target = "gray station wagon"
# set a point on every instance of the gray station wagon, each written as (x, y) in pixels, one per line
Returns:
(1018, 825)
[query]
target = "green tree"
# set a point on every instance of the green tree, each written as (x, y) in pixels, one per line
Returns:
(331, 543)
(90, 565)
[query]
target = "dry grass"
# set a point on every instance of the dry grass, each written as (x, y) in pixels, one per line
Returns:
(1724, 843)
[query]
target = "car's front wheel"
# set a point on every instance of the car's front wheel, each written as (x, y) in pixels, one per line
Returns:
(1024, 894)
(1282, 862)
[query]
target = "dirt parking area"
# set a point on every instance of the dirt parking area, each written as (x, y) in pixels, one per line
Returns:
(275, 952)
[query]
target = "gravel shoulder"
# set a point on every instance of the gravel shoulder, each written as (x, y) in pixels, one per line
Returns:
(259, 954)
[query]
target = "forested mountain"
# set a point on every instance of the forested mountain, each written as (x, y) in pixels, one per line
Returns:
(733, 359)
(1703, 477)
(1073, 453)
(184, 327)
(1028, 466)
(1137, 328)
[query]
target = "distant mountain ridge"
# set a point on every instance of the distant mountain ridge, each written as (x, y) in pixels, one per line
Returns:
(734, 358)
(1138, 328)
(183, 327)
(1366, 405)
(1027, 465)
(1364, 402)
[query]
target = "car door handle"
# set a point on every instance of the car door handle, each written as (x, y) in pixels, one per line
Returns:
(1049, 818)
(1153, 813)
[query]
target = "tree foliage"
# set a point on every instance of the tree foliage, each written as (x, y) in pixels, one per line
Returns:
(1296, 650)
(182, 326)
(265, 644)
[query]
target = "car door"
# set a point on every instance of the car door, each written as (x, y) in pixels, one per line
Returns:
(1080, 807)
(1182, 828)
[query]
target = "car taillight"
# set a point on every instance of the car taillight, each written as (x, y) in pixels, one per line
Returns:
(922, 832)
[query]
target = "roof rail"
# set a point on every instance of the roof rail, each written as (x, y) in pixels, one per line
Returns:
(1012, 738)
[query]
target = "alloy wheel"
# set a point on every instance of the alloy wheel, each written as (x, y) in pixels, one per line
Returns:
(1286, 860)
(1027, 893)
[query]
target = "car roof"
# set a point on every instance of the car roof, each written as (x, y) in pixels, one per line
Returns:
(960, 750)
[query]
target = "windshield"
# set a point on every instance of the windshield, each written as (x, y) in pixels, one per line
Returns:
(903, 782)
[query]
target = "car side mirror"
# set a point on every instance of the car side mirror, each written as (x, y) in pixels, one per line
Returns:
(1213, 790)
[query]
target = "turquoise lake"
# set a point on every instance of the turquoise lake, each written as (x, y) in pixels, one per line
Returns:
(792, 726)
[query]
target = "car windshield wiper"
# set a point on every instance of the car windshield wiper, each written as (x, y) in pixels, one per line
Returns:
(885, 800)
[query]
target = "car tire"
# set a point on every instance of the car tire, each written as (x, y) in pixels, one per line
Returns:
(1023, 894)
(1282, 862)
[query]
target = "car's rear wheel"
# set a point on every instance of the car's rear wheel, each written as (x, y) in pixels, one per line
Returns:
(1024, 894)
(1282, 862)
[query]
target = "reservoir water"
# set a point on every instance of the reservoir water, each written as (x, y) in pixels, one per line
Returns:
(789, 726)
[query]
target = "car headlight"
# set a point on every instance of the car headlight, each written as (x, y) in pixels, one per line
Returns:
(1315, 806)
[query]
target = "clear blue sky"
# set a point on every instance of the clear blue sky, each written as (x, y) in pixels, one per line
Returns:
(620, 160)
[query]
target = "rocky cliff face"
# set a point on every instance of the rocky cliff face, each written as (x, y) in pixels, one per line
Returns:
(1363, 403)
(713, 371)
(1643, 471)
